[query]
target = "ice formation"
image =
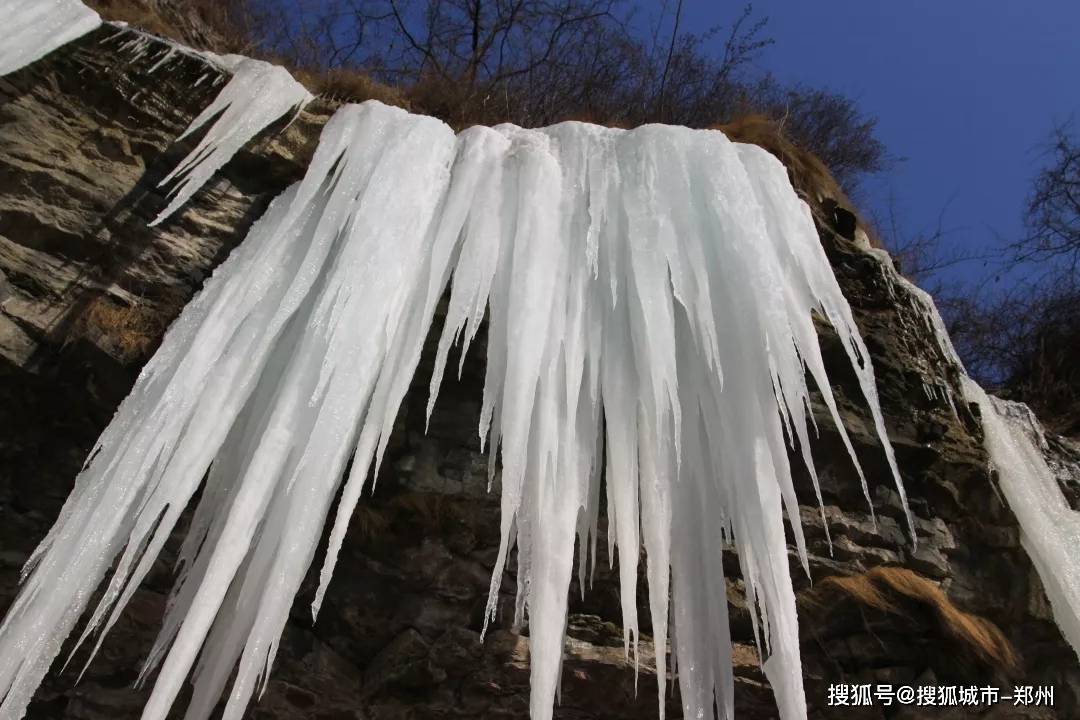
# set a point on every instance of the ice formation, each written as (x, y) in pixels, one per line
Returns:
(1015, 444)
(34, 28)
(139, 45)
(649, 297)
(258, 95)
(1050, 529)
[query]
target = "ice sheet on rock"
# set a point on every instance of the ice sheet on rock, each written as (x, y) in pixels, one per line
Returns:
(34, 28)
(257, 95)
(1050, 528)
(649, 298)
(1015, 443)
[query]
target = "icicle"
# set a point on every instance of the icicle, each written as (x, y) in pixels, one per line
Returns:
(257, 95)
(625, 275)
(34, 28)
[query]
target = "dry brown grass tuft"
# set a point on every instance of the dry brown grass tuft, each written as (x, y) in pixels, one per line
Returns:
(135, 13)
(899, 591)
(350, 86)
(128, 332)
(808, 174)
(368, 523)
(431, 510)
(810, 177)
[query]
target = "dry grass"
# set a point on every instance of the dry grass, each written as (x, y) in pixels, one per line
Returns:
(205, 24)
(134, 13)
(810, 177)
(899, 591)
(433, 511)
(128, 332)
(350, 86)
(808, 174)
(368, 523)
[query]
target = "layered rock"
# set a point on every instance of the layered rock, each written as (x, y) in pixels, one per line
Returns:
(87, 289)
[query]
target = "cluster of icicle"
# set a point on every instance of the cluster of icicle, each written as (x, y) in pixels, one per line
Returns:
(257, 95)
(649, 295)
(34, 28)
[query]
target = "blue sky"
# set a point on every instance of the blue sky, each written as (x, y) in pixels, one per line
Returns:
(966, 92)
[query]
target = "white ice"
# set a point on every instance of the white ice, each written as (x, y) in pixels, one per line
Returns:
(1049, 527)
(1016, 445)
(34, 28)
(135, 44)
(649, 297)
(258, 95)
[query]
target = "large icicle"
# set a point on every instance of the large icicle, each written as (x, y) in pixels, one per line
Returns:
(649, 295)
(34, 28)
(258, 95)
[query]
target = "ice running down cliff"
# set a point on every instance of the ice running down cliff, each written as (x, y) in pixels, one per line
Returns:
(649, 297)
(1014, 441)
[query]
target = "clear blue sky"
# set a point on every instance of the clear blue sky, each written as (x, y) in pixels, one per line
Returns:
(966, 92)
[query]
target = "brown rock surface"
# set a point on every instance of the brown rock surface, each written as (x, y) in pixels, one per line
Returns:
(87, 289)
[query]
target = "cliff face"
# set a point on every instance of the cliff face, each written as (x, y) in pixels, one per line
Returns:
(87, 289)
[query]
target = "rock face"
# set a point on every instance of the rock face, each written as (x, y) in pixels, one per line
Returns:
(87, 289)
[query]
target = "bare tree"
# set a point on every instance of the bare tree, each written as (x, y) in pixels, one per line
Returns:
(831, 126)
(922, 256)
(1022, 336)
(535, 62)
(479, 42)
(1052, 216)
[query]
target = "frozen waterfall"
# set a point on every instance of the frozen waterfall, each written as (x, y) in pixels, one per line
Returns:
(649, 295)
(257, 95)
